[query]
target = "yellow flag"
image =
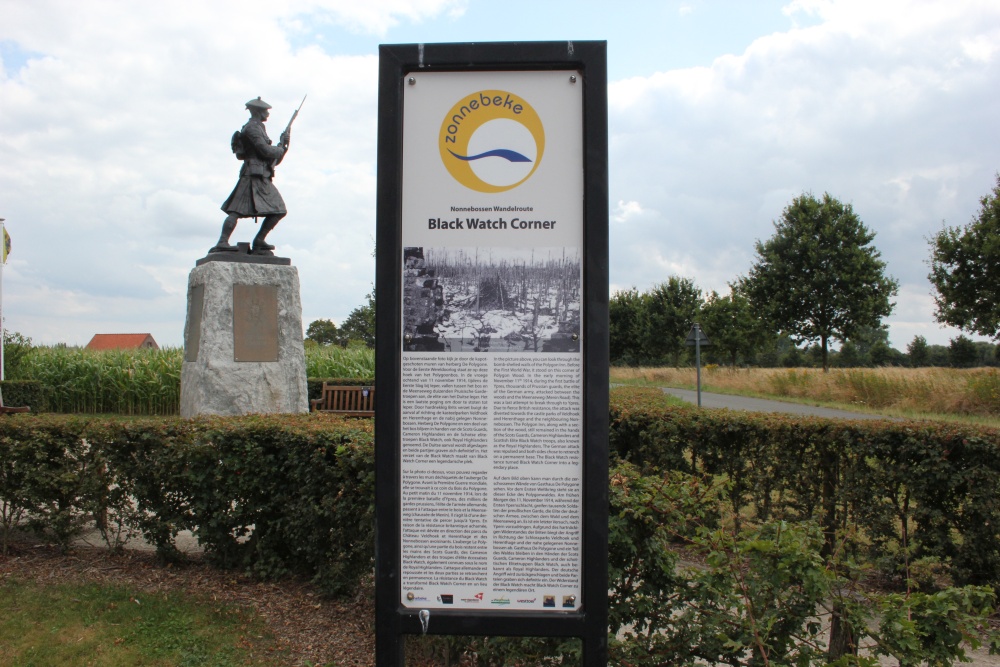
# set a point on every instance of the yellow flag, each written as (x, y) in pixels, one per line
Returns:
(6, 245)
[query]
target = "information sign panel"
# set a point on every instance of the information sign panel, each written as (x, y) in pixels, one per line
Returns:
(492, 385)
(492, 335)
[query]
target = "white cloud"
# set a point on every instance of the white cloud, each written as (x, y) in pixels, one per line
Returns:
(377, 18)
(881, 105)
(115, 157)
(116, 118)
(627, 210)
(979, 48)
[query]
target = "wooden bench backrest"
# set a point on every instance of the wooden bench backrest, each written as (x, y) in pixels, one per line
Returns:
(348, 399)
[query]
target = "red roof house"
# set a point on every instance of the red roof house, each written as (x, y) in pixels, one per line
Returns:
(122, 342)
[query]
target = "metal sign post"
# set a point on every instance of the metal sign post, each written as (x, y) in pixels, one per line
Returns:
(697, 338)
(491, 441)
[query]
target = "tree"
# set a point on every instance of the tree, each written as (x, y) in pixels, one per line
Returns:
(962, 352)
(731, 324)
(324, 332)
(360, 324)
(625, 326)
(16, 348)
(965, 271)
(917, 351)
(868, 339)
(871, 348)
(849, 356)
(987, 354)
(937, 355)
(793, 358)
(819, 277)
(883, 354)
(670, 309)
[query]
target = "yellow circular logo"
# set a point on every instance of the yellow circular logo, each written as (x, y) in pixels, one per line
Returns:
(491, 141)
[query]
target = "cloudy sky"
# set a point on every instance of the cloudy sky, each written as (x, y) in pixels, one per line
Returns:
(115, 121)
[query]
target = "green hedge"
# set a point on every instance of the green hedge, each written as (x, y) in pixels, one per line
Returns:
(756, 498)
(269, 495)
(891, 491)
(18, 393)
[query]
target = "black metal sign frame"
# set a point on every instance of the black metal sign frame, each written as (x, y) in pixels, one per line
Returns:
(394, 621)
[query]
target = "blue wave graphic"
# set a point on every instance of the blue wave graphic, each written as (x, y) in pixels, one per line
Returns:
(509, 155)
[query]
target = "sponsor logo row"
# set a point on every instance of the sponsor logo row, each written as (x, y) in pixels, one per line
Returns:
(549, 601)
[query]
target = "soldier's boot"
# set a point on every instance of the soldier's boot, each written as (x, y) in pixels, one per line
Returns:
(269, 223)
(227, 230)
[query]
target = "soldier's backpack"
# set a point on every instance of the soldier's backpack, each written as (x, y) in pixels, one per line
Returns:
(236, 143)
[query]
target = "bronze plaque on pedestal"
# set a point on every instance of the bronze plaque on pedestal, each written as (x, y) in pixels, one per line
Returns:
(192, 338)
(255, 322)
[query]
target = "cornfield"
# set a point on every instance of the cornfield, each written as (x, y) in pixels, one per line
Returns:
(129, 382)
(332, 361)
(147, 382)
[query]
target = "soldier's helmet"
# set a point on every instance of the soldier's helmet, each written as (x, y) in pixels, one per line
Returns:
(258, 104)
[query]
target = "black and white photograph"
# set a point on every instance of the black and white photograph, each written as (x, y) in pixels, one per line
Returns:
(491, 299)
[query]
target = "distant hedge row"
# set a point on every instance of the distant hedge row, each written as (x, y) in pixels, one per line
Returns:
(889, 491)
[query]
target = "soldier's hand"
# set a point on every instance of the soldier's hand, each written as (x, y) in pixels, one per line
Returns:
(284, 139)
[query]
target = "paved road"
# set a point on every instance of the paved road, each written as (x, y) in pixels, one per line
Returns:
(763, 405)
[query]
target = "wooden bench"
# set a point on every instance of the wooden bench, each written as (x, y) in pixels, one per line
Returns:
(348, 401)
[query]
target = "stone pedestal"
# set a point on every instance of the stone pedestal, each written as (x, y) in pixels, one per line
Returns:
(243, 350)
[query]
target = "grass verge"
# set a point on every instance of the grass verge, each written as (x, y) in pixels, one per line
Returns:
(92, 624)
(952, 395)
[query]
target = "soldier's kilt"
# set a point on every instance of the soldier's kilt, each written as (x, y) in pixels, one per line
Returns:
(254, 196)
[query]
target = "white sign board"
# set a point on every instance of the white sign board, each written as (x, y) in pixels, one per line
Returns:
(491, 428)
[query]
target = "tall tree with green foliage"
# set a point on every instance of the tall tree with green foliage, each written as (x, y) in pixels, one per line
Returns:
(670, 309)
(965, 270)
(962, 352)
(324, 332)
(625, 312)
(917, 352)
(16, 348)
(818, 277)
(360, 323)
(731, 324)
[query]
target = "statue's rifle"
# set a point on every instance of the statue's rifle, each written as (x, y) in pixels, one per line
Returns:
(288, 128)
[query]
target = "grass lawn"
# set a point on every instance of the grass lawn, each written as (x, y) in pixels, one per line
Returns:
(92, 607)
(92, 624)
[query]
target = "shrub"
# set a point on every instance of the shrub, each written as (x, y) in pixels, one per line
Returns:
(905, 489)
(774, 509)
(272, 495)
(18, 393)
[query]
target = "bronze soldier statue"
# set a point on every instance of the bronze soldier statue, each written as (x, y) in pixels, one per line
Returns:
(255, 194)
